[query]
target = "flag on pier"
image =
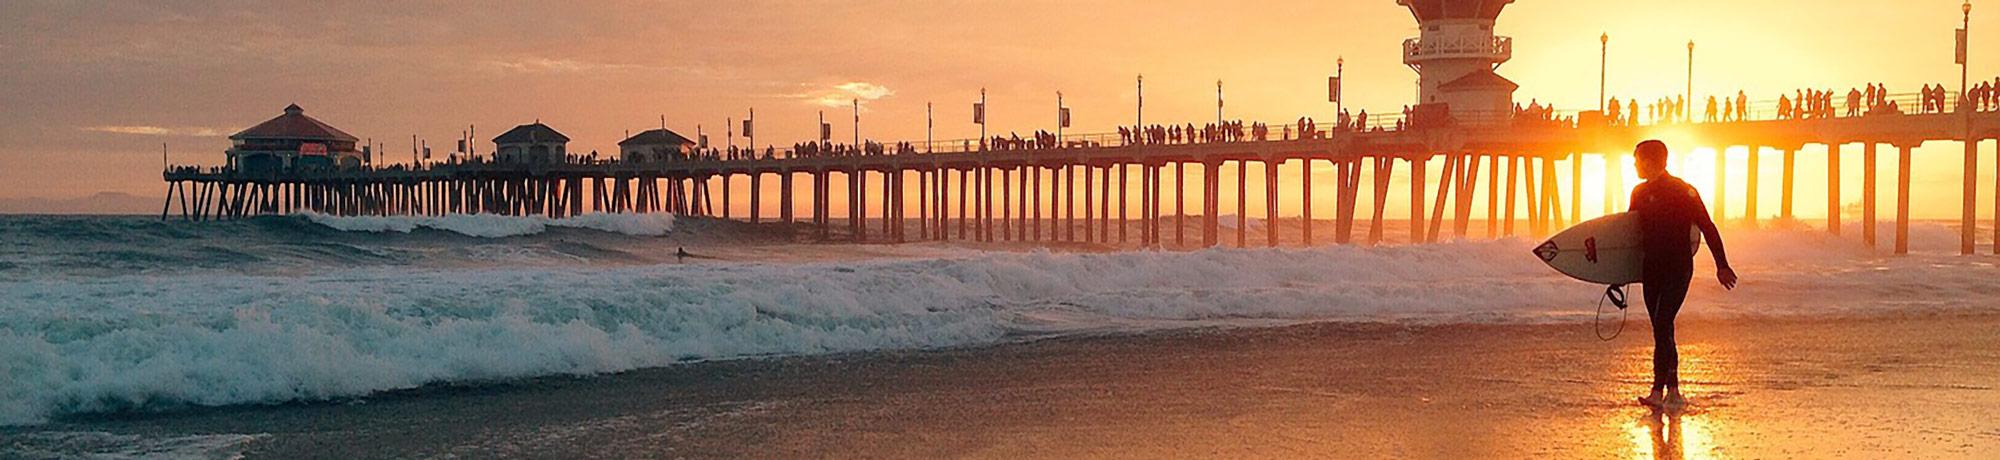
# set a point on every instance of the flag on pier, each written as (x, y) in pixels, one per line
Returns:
(1065, 117)
(1333, 89)
(746, 128)
(1961, 46)
(978, 113)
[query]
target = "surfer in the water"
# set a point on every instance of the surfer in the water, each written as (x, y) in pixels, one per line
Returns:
(1667, 207)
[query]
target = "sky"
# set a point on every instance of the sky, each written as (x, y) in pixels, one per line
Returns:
(91, 90)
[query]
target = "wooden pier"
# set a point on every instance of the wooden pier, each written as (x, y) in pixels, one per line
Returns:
(999, 195)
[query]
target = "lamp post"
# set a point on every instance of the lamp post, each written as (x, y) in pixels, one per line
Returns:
(1603, 57)
(1688, 96)
(1218, 103)
(1138, 136)
(1339, 77)
(982, 119)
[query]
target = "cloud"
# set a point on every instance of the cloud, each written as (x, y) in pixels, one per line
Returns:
(156, 131)
(545, 65)
(845, 94)
(865, 90)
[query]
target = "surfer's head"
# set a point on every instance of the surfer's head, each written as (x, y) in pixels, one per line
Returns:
(1651, 158)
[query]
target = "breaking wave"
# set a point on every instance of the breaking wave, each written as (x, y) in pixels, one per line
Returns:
(76, 344)
(497, 226)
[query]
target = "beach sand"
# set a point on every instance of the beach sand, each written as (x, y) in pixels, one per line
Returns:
(1857, 387)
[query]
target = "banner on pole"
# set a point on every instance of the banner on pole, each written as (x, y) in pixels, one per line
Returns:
(1065, 117)
(1333, 89)
(978, 113)
(825, 131)
(746, 129)
(1961, 46)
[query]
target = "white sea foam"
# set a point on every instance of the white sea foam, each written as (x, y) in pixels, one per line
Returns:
(498, 226)
(113, 446)
(90, 344)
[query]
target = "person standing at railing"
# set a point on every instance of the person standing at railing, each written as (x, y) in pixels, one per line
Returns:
(1853, 102)
(1886, 102)
(1993, 95)
(1802, 104)
(1977, 96)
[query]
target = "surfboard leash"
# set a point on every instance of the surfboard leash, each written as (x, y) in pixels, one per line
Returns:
(1616, 294)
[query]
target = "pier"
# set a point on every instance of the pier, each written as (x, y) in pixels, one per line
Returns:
(1033, 194)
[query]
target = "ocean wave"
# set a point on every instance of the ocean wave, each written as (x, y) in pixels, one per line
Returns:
(148, 342)
(498, 226)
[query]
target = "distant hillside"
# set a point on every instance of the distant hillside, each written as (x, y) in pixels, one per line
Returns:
(101, 203)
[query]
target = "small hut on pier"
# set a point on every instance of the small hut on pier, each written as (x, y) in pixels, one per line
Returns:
(654, 145)
(292, 141)
(531, 143)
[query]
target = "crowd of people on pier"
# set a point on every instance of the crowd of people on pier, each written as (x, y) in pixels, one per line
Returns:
(1801, 104)
(1662, 110)
(1230, 131)
(1806, 104)
(825, 149)
(1985, 97)
(1536, 114)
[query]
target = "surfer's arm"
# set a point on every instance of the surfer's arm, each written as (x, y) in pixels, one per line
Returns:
(1713, 236)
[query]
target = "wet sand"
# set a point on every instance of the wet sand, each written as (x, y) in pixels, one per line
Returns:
(1857, 387)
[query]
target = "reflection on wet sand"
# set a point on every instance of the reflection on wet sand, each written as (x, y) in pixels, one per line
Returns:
(1686, 433)
(1658, 436)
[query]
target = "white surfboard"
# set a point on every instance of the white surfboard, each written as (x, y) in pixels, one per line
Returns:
(1604, 250)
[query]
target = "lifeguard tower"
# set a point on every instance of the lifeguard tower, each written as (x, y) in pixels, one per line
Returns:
(1455, 56)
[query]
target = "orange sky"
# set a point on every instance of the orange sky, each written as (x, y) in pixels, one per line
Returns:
(91, 89)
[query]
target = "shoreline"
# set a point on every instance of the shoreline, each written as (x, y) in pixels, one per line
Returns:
(1319, 389)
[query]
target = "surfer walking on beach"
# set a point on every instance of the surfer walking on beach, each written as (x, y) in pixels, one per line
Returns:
(1667, 207)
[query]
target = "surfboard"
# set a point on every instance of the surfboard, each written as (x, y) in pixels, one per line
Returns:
(1604, 250)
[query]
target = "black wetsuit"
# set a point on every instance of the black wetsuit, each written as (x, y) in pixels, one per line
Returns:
(1668, 209)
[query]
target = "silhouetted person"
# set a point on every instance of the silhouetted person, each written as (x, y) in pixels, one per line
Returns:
(1742, 105)
(1853, 102)
(681, 255)
(1667, 208)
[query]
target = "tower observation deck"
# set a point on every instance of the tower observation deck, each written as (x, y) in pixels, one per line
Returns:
(1455, 56)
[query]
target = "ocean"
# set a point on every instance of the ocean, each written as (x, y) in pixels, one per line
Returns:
(132, 315)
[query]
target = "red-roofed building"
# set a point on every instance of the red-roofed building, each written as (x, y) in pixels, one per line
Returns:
(292, 141)
(531, 143)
